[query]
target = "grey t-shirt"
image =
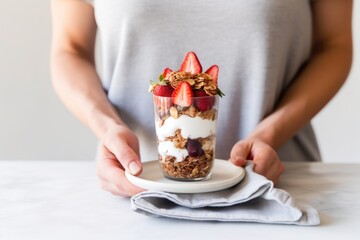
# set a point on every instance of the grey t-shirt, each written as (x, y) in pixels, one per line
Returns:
(259, 46)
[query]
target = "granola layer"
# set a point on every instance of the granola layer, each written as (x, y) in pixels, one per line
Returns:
(189, 168)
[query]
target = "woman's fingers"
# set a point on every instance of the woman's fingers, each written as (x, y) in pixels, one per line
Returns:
(112, 178)
(127, 157)
(266, 160)
(239, 153)
(275, 171)
(119, 152)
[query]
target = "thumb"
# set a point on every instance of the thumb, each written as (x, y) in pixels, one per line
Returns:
(239, 153)
(126, 156)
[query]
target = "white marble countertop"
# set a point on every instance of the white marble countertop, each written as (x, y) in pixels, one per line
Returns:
(62, 200)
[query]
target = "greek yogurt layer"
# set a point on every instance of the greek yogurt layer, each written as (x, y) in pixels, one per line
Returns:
(190, 127)
(168, 148)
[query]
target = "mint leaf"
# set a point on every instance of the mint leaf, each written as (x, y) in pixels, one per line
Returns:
(161, 78)
(220, 93)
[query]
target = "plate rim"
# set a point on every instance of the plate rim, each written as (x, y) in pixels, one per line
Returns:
(193, 187)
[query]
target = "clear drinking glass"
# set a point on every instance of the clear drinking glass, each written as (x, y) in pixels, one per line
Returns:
(186, 137)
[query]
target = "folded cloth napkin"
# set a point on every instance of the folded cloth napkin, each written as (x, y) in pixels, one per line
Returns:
(254, 199)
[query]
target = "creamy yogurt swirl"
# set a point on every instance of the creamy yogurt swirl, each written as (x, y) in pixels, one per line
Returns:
(190, 127)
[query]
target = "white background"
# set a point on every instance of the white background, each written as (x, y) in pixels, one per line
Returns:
(35, 125)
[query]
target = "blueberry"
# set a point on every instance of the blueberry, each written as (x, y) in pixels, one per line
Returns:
(194, 148)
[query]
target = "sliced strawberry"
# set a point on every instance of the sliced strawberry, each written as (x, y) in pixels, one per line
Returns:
(213, 71)
(166, 72)
(163, 90)
(183, 94)
(191, 64)
(205, 102)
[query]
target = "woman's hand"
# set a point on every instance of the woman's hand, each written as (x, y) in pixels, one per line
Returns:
(266, 160)
(119, 151)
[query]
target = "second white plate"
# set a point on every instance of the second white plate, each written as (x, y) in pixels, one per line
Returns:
(224, 175)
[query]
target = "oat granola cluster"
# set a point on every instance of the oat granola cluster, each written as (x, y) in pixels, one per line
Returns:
(197, 81)
(186, 113)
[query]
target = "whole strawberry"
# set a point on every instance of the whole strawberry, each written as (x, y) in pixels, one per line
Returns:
(163, 90)
(162, 93)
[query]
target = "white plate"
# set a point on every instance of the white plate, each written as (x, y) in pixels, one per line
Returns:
(224, 175)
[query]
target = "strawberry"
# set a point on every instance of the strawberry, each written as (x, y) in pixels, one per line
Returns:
(205, 102)
(213, 71)
(160, 91)
(191, 64)
(163, 90)
(183, 94)
(166, 72)
(200, 93)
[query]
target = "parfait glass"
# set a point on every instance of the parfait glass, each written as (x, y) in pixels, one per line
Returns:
(186, 137)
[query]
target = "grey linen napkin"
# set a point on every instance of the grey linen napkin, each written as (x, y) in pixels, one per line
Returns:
(254, 199)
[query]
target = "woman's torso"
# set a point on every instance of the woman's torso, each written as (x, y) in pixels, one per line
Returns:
(259, 45)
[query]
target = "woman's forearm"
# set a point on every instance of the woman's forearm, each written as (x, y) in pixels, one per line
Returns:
(320, 79)
(73, 66)
(78, 85)
(314, 87)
